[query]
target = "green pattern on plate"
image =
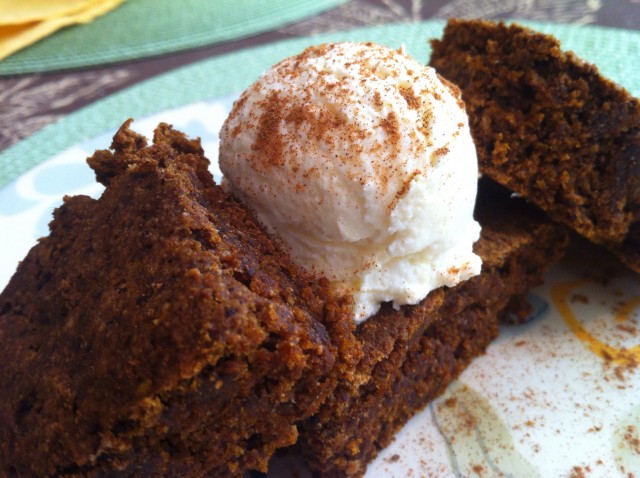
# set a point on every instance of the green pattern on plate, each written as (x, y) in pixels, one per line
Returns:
(141, 28)
(616, 52)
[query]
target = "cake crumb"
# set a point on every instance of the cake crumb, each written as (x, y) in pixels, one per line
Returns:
(478, 470)
(633, 438)
(577, 472)
(451, 402)
(579, 298)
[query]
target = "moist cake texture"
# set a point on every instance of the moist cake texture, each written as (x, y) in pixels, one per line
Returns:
(549, 127)
(158, 331)
(410, 355)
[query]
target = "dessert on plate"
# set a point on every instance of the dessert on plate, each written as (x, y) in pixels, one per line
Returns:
(549, 127)
(170, 329)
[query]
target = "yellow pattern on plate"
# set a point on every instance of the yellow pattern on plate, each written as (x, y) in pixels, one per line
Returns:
(620, 356)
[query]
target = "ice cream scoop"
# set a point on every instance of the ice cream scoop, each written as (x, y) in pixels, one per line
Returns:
(360, 160)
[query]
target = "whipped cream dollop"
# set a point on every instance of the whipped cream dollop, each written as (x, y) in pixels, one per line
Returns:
(360, 160)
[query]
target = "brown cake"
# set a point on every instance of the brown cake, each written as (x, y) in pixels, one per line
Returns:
(158, 331)
(411, 355)
(548, 126)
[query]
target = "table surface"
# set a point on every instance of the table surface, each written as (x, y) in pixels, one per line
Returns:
(30, 102)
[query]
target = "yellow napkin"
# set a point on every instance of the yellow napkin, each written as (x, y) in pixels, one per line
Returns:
(25, 22)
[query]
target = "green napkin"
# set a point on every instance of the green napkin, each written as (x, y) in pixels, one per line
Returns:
(141, 28)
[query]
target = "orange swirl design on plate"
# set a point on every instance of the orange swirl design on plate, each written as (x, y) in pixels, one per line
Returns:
(622, 356)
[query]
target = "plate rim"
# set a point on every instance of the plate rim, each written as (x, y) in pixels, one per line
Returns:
(193, 83)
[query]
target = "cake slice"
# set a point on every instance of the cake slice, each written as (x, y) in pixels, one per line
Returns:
(157, 331)
(549, 127)
(410, 355)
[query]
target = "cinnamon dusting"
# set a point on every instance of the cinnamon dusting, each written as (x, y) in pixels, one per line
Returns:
(412, 100)
(391, 127)
(269, 140)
